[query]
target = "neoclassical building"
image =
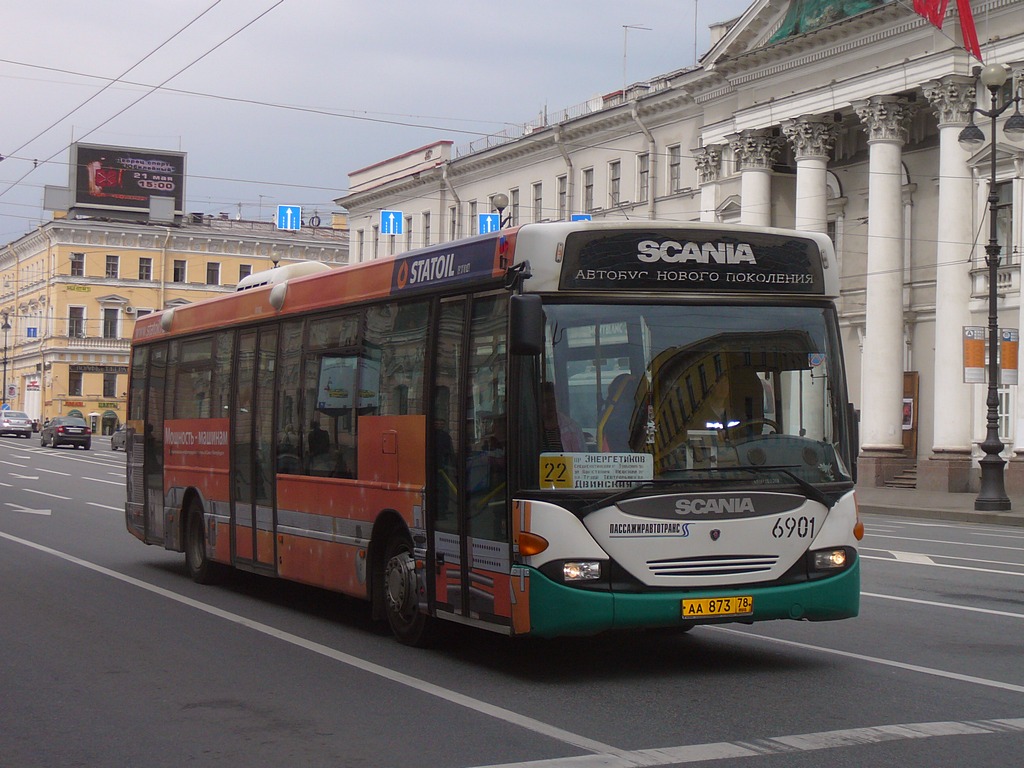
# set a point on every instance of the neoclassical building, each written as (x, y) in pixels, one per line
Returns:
(841, 117)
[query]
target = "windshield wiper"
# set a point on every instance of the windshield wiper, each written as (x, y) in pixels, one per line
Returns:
(811, 491)
(627, 492)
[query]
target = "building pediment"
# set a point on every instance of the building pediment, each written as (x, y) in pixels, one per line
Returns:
(111, 298)
(780, 28)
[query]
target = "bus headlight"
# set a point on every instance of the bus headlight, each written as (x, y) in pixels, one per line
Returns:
(830, 559)
(581, 571)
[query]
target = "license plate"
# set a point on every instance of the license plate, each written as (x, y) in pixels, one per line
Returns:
(735, 605)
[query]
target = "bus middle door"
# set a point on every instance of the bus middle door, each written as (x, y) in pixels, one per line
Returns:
(252, 509)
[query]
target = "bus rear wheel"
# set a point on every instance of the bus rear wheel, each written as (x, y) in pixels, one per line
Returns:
(200, 567)
(401, 594)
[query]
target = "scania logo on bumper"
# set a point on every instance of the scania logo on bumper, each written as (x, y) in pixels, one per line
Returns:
(715, 533)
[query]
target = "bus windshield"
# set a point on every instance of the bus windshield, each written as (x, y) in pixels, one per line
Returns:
(633, 393)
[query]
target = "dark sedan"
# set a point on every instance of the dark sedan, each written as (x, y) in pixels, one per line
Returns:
(66, 430)
(15, 423)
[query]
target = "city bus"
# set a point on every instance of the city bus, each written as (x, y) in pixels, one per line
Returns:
(556, 429)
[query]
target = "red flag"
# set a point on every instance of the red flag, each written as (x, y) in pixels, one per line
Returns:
(935, 11)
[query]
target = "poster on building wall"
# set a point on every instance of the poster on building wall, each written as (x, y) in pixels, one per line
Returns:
(1009, 345)
(974, 354)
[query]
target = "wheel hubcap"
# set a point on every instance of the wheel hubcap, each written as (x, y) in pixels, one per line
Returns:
(399, 584)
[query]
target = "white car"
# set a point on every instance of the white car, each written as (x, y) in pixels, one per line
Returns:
(15, 423)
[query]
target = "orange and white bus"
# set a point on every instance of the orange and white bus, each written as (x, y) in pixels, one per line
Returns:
(556, 429)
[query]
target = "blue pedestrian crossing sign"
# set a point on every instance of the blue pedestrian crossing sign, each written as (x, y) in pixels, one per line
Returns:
(489, 222)
(581, 217)
(392, 223)
(289, 217)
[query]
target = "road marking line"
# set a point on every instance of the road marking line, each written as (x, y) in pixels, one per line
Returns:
(499, 713)
(946, 542)
(54, 472)
(28, 510)
(999, 684)
(104, 506)
(951, 606)
(12, 464)
(941, 565)
(44, 493)
(911, 557)
(108, 482)
(604, 755)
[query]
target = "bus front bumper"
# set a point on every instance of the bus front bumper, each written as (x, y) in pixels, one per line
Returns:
(559, 610)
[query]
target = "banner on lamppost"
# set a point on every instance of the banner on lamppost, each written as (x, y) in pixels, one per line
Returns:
(974, 354)
(1009, 346)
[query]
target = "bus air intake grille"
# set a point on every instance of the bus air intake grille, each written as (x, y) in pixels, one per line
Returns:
(713, 565)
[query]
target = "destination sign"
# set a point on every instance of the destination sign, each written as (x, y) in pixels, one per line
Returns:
(692, 261)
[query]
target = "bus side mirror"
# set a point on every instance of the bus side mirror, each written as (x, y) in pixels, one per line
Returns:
(526, 325)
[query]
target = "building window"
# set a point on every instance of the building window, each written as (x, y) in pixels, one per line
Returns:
(563, 197)
(78, 265)
(375, 231)
(109, 385)
(213, 273)
(513, 205)
(112, 270)
(614, 183)
(538, 201)
(588, 189)
(76, 322)
(473, 230)
(408, 233)
(145, 268)
(1004, 218)
(426, 227)
(643, 176)
(244, 270)
(179, 271)
(674, 166)
(75, 383)
(453, 222)
(110, 323)
(360, 243)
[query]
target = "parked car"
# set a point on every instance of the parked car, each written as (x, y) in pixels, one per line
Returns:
(118, 438)
(15, 423)
(66, 430)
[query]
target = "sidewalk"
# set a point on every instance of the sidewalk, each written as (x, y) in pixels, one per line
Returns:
(902, 502)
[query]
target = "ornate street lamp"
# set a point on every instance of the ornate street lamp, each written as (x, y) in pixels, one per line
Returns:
(500, 203)
(5, 327)
(992, 495)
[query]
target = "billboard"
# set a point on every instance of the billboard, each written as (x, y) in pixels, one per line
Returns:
(124, 178)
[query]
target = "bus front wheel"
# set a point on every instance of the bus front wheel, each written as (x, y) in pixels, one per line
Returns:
(401, 594)
(200, 567)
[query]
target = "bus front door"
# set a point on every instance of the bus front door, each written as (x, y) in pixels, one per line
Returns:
(252, 508)
(471, 540)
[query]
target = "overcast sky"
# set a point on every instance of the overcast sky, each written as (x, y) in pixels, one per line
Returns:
(276, 101)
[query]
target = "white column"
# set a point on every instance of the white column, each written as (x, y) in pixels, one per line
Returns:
(885, 118)
(709, 165)
(755, 151)
(952, 97)
(812, 139)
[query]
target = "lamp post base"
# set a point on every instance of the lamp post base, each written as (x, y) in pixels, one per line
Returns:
(992, 496)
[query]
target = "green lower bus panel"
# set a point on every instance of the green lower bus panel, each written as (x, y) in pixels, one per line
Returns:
(559, 610)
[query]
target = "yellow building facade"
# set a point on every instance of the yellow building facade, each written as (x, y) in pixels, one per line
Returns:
(71, 290)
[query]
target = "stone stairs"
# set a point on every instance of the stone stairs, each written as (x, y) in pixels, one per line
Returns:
(905, 479)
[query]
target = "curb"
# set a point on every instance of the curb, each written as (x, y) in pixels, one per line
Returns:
(951, 515)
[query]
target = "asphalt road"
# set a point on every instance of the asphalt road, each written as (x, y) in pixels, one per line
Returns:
(111, 656)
